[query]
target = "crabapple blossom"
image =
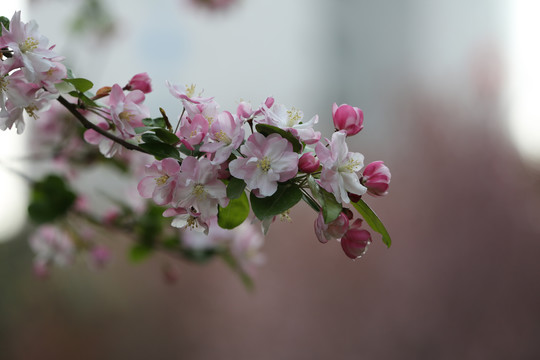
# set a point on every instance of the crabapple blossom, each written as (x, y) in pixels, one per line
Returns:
(160, 182)
(355, 241)
(51, 245)
(244, 241)
(227, 135)
(28, 46)
(291, 120)
(245, 111)
(267, 160)
(376, 178)
(40, 101)
(339, 168)
(140, 82)
(127, 111)
(186, 219)
(348, 118)
(107, 147)
(199, 187)
(333, 230)
(192, 130)
(205, 106)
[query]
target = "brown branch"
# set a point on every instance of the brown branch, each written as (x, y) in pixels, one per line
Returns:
(89, 125)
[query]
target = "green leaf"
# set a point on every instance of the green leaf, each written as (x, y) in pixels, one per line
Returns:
(65, 87)
(149, 137)
(166, 136)
(80, 84)
(235, 213)
(373, 221)
(50, 200)
(330, 206)
(286, 196)
(142, 129)
(266, 130)
(235, 188)
(85, 99)
(139, 252)
(4, 21)
(160, 150)
(311, 203)
(157, 122)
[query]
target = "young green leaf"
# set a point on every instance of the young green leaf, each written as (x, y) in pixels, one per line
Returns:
(80, 84)
(160, 150)
(235, 188)
(157, 122)
(235, 213)
(166, 136)
(330, 207)
(85, 99)
(373, 221)
(285, 197)
(266, 130)
(4, 21)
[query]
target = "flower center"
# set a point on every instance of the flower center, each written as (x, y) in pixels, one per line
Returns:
(293, 116)
(190, 90)
(4, 82)
(125, 115)
(30, 110)
(350, 166)
(29, 44)
(198, 190)
(222, 137)
(264, 164)
(192, 223)
(162, 180)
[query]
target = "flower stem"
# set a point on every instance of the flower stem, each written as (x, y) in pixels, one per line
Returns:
(89, 125)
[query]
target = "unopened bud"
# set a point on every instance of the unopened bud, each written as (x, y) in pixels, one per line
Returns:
(140, 82)
(376, 178)
(348, 118)
(355, 241)
(308, 163)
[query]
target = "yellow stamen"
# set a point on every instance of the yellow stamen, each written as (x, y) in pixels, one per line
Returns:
(199, 191)
(294, 116)
(264, 164)
(285, 216)
(4, 82)
(162, 180)
(28, 45)
(190, 90)
(351, 166)
(125, 115)
(222, 137)
(30, 110)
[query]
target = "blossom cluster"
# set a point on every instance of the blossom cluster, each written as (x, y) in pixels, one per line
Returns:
(220, 176)
(29, 71)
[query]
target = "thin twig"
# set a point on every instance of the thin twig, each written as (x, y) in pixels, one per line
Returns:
(89, 125)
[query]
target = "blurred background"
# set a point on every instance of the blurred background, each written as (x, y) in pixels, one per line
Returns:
(449, 90)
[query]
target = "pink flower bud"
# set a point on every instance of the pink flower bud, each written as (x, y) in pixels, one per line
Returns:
(355, 241)
(348, 118)
(376, 178)
(140, 82)
(333, 230)
(308, 163)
